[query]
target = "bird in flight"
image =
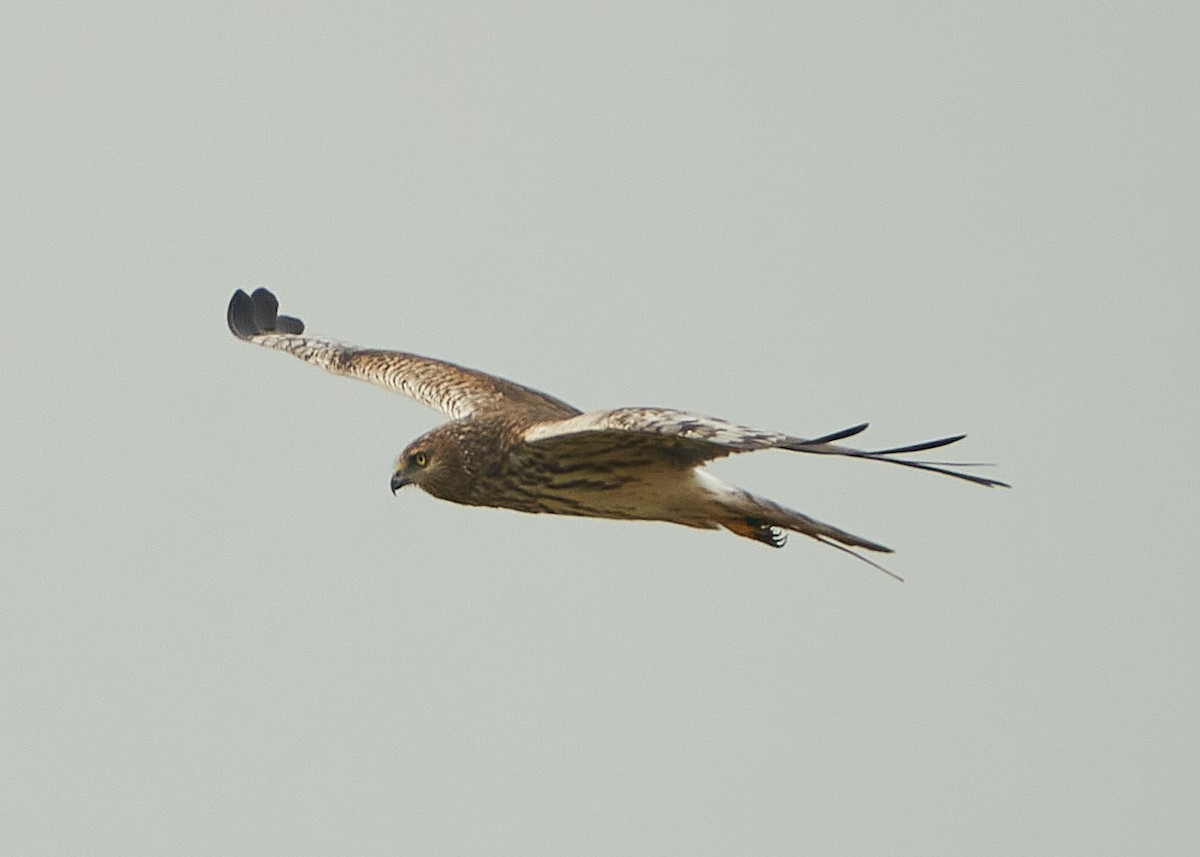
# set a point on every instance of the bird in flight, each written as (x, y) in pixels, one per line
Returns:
(510, 446)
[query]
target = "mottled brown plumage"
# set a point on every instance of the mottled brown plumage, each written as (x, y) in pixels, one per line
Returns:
(514, 447)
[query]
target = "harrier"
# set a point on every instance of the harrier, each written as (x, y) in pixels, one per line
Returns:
(510, 446)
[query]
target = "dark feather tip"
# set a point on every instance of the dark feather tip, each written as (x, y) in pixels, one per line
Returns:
(919, 447)
(288, 324)
(240, 315)
(838, 435)
(265, 310)
(251, 315)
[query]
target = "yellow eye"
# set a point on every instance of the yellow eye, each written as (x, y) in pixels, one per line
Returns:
(420, 459)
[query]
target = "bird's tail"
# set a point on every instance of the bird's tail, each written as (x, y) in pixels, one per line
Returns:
(753, 517)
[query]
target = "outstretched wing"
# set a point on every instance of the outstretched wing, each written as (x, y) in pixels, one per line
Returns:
(454, 390)
(691, 439)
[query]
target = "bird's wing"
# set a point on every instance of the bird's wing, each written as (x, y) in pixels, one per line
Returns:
(691, 439)
(454, 390)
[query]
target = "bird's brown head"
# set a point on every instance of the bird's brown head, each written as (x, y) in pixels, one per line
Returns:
(432, 462)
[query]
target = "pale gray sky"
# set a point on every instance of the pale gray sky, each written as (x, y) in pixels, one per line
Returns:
(220, 634)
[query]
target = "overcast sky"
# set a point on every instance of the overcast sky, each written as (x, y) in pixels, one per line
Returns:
(220, 633)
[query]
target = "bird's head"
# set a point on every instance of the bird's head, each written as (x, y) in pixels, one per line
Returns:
(432, 462)
(411, 468)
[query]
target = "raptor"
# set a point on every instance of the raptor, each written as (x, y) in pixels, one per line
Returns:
(510, 446)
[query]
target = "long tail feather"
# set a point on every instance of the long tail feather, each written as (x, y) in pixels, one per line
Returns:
(762, 520)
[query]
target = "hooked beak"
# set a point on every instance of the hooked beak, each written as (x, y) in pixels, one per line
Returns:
(399, 482)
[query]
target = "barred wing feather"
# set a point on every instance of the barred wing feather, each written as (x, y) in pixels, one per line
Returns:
(454, 390)
(691, 439)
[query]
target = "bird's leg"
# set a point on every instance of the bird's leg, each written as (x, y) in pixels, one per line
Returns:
(757, 529)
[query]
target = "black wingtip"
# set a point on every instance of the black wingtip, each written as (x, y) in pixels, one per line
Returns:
(839, 435)
(240, 315)
(288, 324)
(920, 447)
(266, 308)
(251, 315)
(822, 445)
